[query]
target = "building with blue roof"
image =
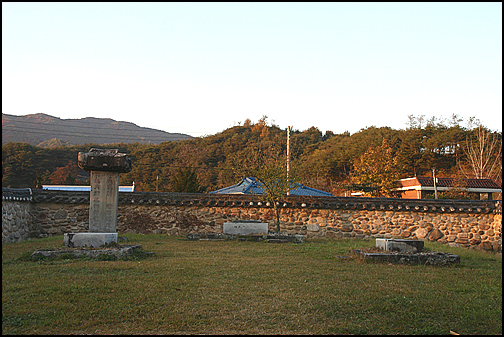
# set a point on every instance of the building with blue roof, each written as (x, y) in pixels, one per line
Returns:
(250, 185)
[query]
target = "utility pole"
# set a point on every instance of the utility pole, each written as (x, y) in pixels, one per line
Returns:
(434, 179)
(288, 156)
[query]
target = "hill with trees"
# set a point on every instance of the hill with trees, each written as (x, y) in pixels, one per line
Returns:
(47, 131)
(369, 160)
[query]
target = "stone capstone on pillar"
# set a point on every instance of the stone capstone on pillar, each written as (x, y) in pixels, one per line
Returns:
(108, 160)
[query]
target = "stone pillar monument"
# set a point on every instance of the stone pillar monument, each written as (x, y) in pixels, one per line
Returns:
(105, 166)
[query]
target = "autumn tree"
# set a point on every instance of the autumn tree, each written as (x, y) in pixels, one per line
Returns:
(65, 175)
(146, 164)
(18, 165)
(378, 167)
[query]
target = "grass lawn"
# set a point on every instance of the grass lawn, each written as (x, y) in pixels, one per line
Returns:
(232, 287)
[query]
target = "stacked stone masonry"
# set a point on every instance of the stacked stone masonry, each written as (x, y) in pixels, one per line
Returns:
(476, 224)
(16, 215)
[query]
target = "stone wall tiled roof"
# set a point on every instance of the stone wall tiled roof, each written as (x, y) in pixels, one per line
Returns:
(293, 201)
(16, 194)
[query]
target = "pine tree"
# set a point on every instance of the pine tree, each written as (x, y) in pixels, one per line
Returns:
(186, 181)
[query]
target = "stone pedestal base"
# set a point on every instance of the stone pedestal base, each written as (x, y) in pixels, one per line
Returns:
(94, 240)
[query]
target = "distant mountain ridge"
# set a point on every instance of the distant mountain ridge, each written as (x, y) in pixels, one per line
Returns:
(48, 131)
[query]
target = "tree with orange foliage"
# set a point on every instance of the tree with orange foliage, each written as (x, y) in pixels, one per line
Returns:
(65, 175)
(378, 167)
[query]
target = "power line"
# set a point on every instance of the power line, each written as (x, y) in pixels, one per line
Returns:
(186, 166)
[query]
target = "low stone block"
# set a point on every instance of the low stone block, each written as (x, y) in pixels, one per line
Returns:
(245, 228)
(298, 238)
(89, 239)
(400, 245)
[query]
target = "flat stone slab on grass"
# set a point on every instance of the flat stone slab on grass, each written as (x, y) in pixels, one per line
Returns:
(431, 258)
(276, 237)
(119, 252)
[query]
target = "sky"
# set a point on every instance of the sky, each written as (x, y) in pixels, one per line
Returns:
(200, 68)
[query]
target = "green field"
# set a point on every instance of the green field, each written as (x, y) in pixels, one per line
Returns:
(232, 287)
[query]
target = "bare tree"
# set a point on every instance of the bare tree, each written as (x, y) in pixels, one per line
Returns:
(483, 154)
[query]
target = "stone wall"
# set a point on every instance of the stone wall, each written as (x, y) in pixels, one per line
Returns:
(16, 215)
(475, 223)
(58, 218)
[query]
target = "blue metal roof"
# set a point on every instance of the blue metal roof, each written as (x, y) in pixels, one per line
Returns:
(82, 188)
(251, 185)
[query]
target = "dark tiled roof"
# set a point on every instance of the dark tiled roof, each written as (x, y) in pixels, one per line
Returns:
(16, 194)
(449, 182)
(293, 201)
(250, 185)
